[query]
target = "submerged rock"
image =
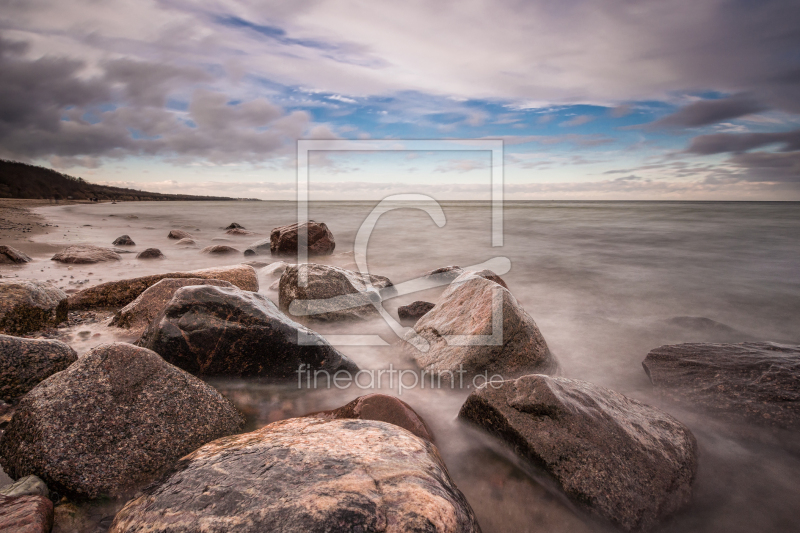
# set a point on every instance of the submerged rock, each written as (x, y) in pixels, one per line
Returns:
(240, 232)
(123, 292)
(448, 273)
(179, 234)
(755, 382)
(284, 240)
(26, 514)
(26, 362)
(331, 293)
(303, 475)
(28, 305)
(124, 240)
(12, 255)
(445, 340)
(140, 312)
(261, 247)
(150, 253)
(83, 254)
(113, 420)
(220, 249)
(217, 331)
(623, 461)
(414, 311)
(234, 225)
(186, 241)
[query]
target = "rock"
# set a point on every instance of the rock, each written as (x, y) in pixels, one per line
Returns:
(345, 291)
(623, 461)
(220, 249)
(304, 475)
(753, 382)
(186, 242)
(702, 329)
(473, 305)
(178, 234)
(383, 408)
(274, 270)
(240, 232)
(26, 486)
(123, 292)
(26, 362)
(414, 311)
(256, 264)
(234, 225)
(150, 253)
(12, 255)
(283, 240)
(111, 421)
(140, 312)
(276, 285)
(491, 276)
(83, 254)
(259, 248)
(124, 240)
(26, 514)
(217, 331)
(249, 252)
(448, 273)
(28, 305)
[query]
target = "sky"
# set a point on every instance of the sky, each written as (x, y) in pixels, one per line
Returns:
(600, 99)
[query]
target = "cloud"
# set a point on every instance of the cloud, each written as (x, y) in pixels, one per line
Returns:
(577, 121)
(706, 112)
(718, 143)
(148, 84)
(768, 166)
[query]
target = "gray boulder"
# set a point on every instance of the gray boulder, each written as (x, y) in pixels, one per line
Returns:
(28, 305)
(284, 240)
(84, 254)
(620, 460)
(306, 475)
(112, 421)
(9, 255)
(26, 362)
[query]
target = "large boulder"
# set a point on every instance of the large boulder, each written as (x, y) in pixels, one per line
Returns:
(82, 254)
(26, 362)
(9, 255)
(218, 331)
(284, 240)
(111, 421)
(754, 382)
(306, 475)
(477, 326)
(623, 461)
(331, 293)
(28, 305)
(122, 292)
(26, 514)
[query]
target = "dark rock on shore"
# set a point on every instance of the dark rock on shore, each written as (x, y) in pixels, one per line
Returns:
(85, 254)
(755, 382)
(623, 461)
(306, 475)
(9, 255)
(178, 234)
(331, 293)
(249, 252)
(150, 253)
(414, 311)
(284, 240)
(234, 225)
(26, 362)
(28, 305)
(220, 249)
(240, 232)
(217, 331)
(123, 240)
(113, 420)
(26, 514)
(123, 292)
(443, 340)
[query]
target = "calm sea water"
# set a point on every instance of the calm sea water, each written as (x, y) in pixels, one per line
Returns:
(601, 279)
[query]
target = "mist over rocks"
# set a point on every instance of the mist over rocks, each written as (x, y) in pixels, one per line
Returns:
(284, 240)
(113, 420)
(10, 255)
(240, 232)
(346, 292)
(24, 363)
(474, 305)
(83, 254)
(620, 460)
(306, 474)
(186, 241)
(261, 247)
(218, 331)
(750, 382)
(29, 305)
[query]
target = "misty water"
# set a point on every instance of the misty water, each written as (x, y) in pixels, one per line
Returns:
(602, 280)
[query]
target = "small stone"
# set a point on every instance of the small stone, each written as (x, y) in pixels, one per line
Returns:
(150, 253)
(178, 234)
(124, 240)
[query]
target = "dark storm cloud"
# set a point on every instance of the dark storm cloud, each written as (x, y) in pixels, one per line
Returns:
(768, 166)
(719, 143)
(707, 112)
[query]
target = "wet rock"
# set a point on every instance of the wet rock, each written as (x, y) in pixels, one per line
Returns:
(261, 247)
(444, 339)
(234, 225)
(9, 255)
(26, 486)
(217, 331)
(302, 475)
(186, 241)
(331, 293)
(26, 362)
(123, 292)
(284, 240)
(26, 514)
(124, 240)
(140, 312)
(240, 232)
(220, 249)
(448, 273)
(249, 252)
(111, 421)
(383, 408)
(754, 382)
(83, 254)
(150, 253)
(256, 264)
(414, 311)
(491, 276)
(623, 461)
(178, 234)
(28, 305)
